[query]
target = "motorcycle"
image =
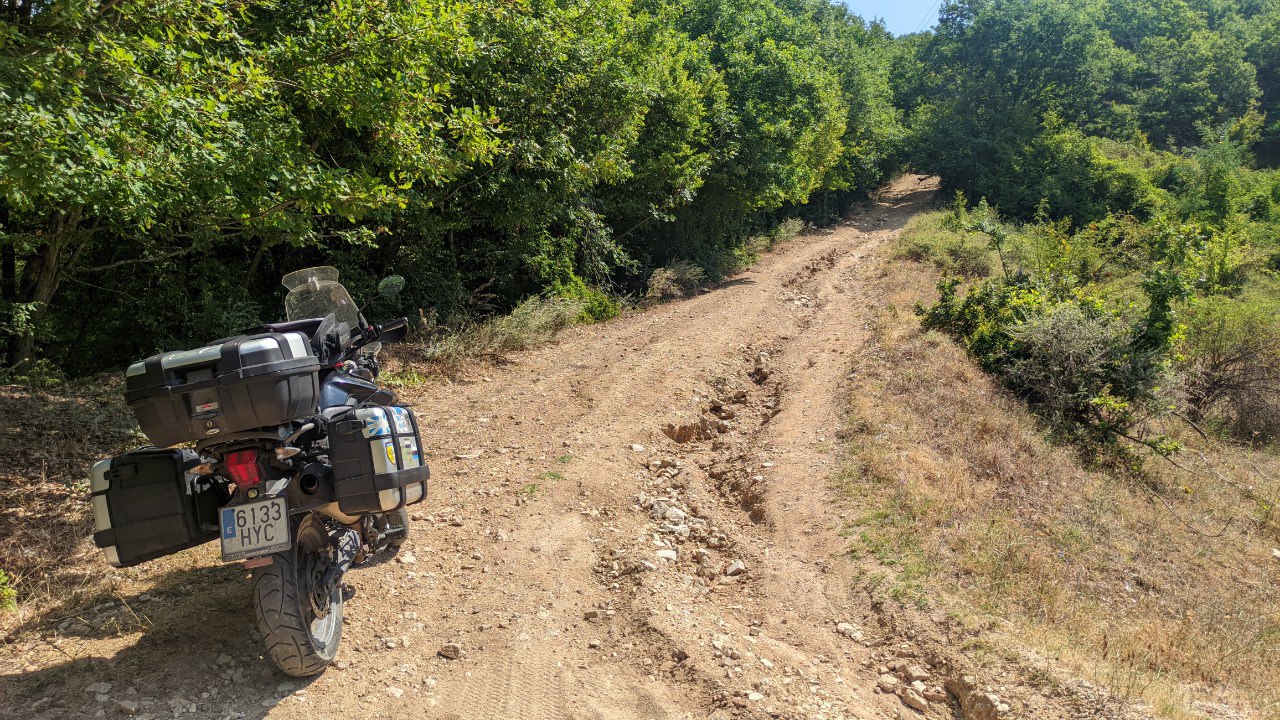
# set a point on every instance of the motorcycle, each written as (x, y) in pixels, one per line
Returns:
(292, 457)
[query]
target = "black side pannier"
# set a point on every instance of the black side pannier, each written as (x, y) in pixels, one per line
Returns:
(240, 384)
(376, 454)
(146, 505)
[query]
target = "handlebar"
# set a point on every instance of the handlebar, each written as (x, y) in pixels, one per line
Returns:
(393, 331)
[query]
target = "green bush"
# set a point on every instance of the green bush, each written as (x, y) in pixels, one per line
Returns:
(8, 595)
(1092, 375)
(596, 304)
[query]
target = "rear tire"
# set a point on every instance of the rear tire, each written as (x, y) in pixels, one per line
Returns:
(300, 628)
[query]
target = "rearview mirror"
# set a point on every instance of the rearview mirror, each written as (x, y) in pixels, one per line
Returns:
(390, 286)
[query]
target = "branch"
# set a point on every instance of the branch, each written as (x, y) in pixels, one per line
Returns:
(135, 261)
(1188, 421)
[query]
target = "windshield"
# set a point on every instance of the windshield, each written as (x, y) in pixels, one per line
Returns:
(315, 292)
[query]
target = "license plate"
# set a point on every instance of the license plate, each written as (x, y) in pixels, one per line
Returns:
(259, 528)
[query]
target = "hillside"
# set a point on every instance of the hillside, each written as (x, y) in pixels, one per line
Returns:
(795, 420)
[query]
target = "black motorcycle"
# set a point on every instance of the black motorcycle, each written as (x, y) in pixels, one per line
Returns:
(292, 457)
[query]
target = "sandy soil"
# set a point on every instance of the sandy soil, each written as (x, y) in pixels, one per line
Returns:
(705, 430)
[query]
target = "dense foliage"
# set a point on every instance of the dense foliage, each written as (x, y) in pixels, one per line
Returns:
(1128, 141)
(163, 162)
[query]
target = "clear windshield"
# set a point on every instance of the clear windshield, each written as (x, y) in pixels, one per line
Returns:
(315, 292)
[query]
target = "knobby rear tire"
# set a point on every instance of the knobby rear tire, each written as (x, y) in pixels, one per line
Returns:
(297, 641)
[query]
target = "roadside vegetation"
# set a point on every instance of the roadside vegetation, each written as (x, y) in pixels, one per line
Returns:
(1155, 580)
(1106, 257)
(165, 163)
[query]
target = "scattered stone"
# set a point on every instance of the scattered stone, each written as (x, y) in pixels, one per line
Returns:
(394, 692)
(755, 696)
(913, 699)
(127, 707)
(1275, 553)
(887, 683)
(680, 655)
(450, 651)
(736, 568)
(637, 447)
(406, 558)
(915, 672)
(342, 664)
(594, 644)
(975, 704)
(667, 555)
(591, 615)
(933, 693)
(98, 687)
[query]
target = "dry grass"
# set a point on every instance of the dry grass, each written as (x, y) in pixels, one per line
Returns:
(50, 441)
(674, 281)
(533, 322)
(1161, 586)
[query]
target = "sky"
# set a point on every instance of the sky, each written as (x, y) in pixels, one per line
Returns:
(900, 16)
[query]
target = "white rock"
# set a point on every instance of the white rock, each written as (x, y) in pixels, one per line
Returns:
(913, 699)
(636, 447)
(667, 555)
(737, 567)
(406, 558)
(849, 630)
(395, 692)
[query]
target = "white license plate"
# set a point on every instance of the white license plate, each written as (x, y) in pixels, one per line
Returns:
(259, 528)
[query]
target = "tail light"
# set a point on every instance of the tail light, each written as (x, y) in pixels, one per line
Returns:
(242, 466)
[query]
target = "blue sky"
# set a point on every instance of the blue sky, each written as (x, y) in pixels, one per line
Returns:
(900, 16)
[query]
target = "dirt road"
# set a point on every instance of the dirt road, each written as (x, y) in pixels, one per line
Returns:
(635, 522)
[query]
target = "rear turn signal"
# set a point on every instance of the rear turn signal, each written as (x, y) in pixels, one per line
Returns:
(242, 466)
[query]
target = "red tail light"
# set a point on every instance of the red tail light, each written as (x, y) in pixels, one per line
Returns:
(242, 465)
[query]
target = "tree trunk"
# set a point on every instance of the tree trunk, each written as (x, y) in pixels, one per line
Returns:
(46, 283)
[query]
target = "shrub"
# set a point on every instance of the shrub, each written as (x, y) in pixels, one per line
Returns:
(533, 322)
(1090, 373)
(8, 595)
(938, 239)
(676, 280)
(597, 305)
(1230, 362)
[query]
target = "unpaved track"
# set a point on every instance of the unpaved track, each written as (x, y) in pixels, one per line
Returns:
(535, 520)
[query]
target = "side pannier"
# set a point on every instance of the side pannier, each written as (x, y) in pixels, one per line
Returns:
(239, 384)
(146, 504)
(376, 454)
